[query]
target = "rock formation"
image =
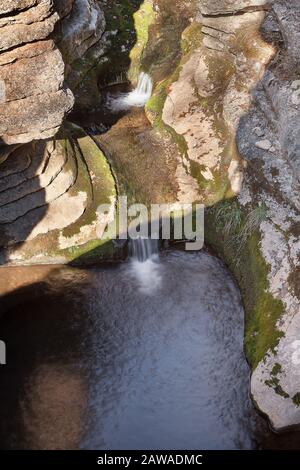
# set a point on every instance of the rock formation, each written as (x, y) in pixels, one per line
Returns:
(33, 99)
(48, 184)
(268, 138)
(222, 127)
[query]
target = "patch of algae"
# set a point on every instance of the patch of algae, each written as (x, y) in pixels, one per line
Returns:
(219, 187)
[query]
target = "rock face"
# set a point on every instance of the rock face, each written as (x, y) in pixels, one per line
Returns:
(50, 191)
(81, 30)
(49, 186)
(33, 98)
(257, 103)
(273, 177)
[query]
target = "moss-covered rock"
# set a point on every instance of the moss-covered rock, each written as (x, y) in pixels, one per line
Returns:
(236, 238)
(67, 234)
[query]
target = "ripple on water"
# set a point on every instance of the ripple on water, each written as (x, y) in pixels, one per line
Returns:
(140, 357)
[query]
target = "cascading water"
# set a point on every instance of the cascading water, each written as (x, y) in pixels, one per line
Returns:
(145, 265)
(143, 249)
(136, 98)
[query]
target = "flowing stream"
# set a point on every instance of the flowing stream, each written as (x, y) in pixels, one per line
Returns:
(143, 355)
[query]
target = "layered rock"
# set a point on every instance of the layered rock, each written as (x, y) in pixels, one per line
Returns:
(34, 100)
(33, 96)
(49, 187)
(50, 192)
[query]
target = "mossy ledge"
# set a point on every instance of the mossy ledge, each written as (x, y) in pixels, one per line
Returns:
(245, 261)
(76, 242)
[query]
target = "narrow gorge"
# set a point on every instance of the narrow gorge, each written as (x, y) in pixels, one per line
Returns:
(165, 102)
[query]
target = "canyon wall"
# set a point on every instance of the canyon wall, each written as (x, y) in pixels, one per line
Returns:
(48, 180)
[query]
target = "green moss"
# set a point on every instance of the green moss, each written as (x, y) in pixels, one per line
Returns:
(143, 18)
(262, 334)
(274, 383)
(277, 369)
(192, 38)
(296, 399)
(225, 225)
(92, 252)
(119, 17)
(94, 177)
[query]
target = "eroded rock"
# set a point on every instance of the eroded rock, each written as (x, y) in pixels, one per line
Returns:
(33, 98)
(49, 187)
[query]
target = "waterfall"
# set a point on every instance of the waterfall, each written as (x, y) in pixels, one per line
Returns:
(143, 249)
(136, 98)
(144, 264)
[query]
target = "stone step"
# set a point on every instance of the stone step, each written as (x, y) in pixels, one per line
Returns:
(57, 214)
(40, 154)
(6, 151)
(17, 161)
(58, 183)
(44, 176)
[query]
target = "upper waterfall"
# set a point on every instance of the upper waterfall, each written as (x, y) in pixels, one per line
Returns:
(135, 98)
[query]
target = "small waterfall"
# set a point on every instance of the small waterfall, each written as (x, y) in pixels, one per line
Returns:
(143, 249)
(136, 98)
(145, 265)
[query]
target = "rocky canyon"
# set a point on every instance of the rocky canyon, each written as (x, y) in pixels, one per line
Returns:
(222, 128)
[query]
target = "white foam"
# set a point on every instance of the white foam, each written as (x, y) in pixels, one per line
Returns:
(136, 98)
(147, 274)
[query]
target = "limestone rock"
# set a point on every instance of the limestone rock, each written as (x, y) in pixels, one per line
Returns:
(274, 178)
(50, 203)
(215, 81)
(218, 7)
(81, 29)
(49, 188)
(48, 64)
(11, 6)
(34, 117)
(33, 98)
(263, 144)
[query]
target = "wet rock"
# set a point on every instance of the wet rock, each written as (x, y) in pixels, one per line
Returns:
(219, 7)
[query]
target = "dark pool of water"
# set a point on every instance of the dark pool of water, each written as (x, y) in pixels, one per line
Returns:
(137, 356)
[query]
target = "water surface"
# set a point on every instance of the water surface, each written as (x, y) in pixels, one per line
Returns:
(135, 356)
